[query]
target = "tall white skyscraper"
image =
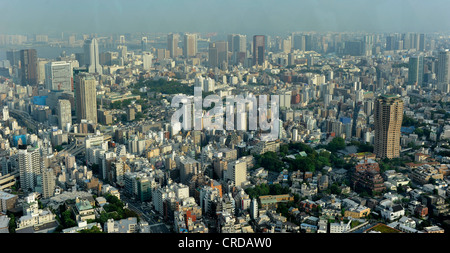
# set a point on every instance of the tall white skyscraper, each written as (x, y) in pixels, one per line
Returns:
(91, 56)
(59, 76)
(29, 167)
(64, 114)
(237, 172)
(190, 45)
(443, 70)
(254, 209)
(48, 183)
(172, 44)
(147, 59)
(5, 113)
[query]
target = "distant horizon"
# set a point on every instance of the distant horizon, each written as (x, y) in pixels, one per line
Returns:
(226, 16)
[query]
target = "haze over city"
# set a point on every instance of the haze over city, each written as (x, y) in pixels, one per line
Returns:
(239, 16)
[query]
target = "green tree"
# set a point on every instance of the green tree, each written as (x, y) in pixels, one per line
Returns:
(66, 218)
(284, 149)
(12, 223)
(336, 144)
(335, 189)
(270, 161)
(58, 148)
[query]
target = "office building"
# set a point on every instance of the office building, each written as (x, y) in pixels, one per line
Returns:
(86, 97)
(147, 59)
(13, 56)
(392, 42)
(58, 76)
(415, 72)
(443, 70)
(172, 44)
(218, 55)
(368, 42)
(309, 40)
(28, 68)
(29, 167)
(299, 42)
(188, 168)
(190, 45)
(91, 56)
(259, 47)
(237, 172)
(388, 116)
(7, 201)
(64, 110)
(48, 183)
(422, 42)
(239, 49)
(144, 43)
(237, 45)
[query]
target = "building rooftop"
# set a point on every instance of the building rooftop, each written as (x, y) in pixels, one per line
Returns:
(5, 195)
(83, 205)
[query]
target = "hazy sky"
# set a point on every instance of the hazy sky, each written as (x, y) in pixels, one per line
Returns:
(240, 16)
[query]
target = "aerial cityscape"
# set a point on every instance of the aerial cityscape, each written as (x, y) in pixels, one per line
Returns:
(198, 131)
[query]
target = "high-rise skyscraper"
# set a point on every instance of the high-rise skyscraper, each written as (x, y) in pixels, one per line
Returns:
(64, 114)
(309, 42)
(388, 116)
(28, 69)
(415, 70)
(218, 54)
(443, 71)
(59, 76)
(237, 45)
(259, 47)
(237, 172)
(48, 183)
(299, 42)
(13, 56)
(144, 43)
(86, 97)
(368, 44)
(91, 56)
(172, 44)
(422, 42)
(147, 59)
(190, 45)
(391, 42)
(29, 167)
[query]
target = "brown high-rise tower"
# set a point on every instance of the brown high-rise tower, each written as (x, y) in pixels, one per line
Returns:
(28, 67)
(259, 47)
(388, 116)
(86, 97)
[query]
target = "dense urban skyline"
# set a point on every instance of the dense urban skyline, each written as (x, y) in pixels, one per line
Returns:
(250, 16)
(225, 117)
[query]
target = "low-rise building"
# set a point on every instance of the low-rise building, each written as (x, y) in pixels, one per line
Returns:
(82, 225)
(357, 212)
(83, 210)
(4, 224)
(271, 201)
(339, 227)
(7, 201)
(423, 174)
(35, 218)
(433, 230)
(125, 226)
(393, 212)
